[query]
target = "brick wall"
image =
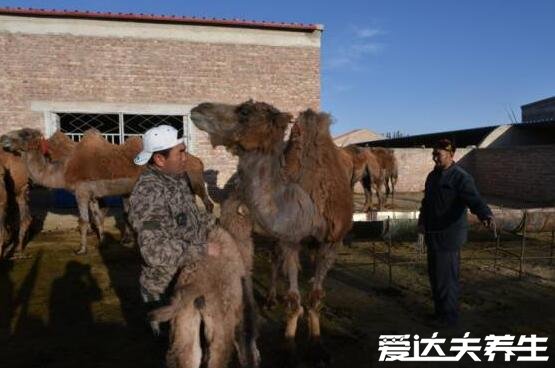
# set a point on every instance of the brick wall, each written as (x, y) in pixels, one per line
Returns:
(525, 173)
(69, 68)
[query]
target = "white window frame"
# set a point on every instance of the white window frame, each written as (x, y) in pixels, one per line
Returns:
(51, 110)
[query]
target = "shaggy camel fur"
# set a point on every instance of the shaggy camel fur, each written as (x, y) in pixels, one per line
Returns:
(303, 201)
(93, 169)
(366, 168)
(219, 295)
(388, 162)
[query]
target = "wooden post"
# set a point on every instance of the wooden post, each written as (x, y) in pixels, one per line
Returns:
(522, 245)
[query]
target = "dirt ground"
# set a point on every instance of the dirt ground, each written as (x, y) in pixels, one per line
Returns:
(62, 310)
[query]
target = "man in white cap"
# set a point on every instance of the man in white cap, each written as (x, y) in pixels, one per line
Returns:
(171, 230)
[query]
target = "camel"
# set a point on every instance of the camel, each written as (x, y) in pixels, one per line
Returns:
(217, 296)
(91, 169)
(366, 168)
(308, 200)
(388, 162)
(15, 184)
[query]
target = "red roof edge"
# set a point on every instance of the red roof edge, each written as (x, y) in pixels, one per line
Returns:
(153, 18)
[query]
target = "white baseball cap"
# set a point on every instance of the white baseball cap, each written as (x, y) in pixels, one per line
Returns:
(157, 139)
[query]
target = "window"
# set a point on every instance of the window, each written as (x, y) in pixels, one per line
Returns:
(117, 127)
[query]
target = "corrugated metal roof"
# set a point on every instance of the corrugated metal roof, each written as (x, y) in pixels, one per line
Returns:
(154, 18)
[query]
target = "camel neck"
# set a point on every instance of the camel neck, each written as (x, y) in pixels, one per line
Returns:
(283, 209)
(44, 172)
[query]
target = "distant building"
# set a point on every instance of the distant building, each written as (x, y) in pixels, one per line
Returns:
(539, 111)
(357, 136)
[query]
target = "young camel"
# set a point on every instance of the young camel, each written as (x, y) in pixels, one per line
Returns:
(292, 205)
(218, 296)
(366, 168)
(92, 169)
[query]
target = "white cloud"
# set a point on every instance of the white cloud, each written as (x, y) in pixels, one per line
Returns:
(354, 49)
(367, 32)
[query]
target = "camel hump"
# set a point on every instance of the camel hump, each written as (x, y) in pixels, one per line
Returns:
(60, 146)
(319, 157)
(93, 140)
(132, 145)
(94, 158)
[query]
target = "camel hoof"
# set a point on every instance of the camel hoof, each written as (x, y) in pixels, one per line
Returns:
(81, 251)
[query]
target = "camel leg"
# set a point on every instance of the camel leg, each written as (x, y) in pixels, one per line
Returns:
(387, 186)
(276, 262)
(324, 261)
(185, 348)
(83, 200)
(97, 217)
(379, 194)
(24, 219)
(293, 307)
(220, 340)
(367, 185)
(246, 331)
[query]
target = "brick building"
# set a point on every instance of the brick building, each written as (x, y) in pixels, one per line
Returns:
(511, 161)
(123, 73)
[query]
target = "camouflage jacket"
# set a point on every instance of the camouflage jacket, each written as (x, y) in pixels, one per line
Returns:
(171, 229)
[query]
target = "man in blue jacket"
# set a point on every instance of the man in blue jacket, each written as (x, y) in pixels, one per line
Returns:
(449, 191)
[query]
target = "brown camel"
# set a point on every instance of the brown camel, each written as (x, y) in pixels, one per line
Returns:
(390, 166)
(15, 184)
(308, 200)
(92, 169)
(366, 168)
(218, 296)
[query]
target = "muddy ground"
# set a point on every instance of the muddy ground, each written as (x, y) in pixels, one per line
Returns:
(62, 310)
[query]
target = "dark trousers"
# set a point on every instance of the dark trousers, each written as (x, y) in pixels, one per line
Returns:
(443, 270)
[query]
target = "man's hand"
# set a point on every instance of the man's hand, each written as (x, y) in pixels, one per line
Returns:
(214, 249)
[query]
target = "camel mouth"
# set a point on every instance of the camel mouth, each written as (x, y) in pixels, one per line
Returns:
(201, 121)
(218, 120)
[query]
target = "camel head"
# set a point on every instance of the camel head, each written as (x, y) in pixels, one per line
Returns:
(24, 140)
(250, 126)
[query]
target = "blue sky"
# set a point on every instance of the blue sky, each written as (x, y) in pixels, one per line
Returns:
(416, 66)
